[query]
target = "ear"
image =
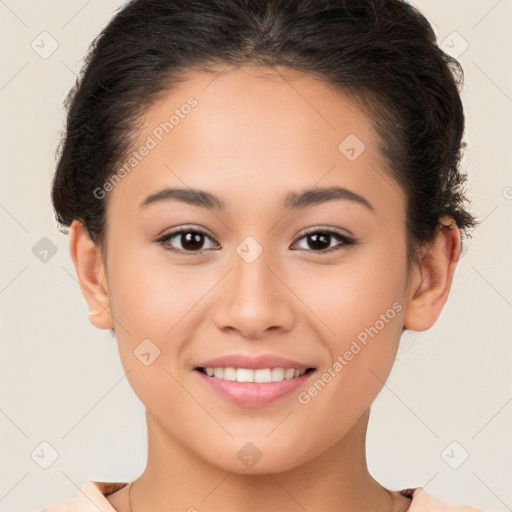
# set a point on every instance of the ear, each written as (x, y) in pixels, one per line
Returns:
(91, 274)
(432, 280)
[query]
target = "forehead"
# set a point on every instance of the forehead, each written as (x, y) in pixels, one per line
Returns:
(258, 130)
(251, 107)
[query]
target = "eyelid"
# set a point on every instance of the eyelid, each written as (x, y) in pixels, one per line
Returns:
(182, 227)
(346, 241)
(325, 229)
(161, 240)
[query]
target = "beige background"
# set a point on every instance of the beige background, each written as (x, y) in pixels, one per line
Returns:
(61, 380)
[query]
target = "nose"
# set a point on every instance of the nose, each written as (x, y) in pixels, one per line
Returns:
(253, 299)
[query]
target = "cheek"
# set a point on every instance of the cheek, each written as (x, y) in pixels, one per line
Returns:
(156, 300)
(149, 301)
(351, 297)
(359, 316)
(148, 293)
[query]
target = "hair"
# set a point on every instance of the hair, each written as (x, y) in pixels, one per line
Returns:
(382, 53)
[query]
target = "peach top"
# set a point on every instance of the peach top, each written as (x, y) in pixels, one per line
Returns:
(92, 498)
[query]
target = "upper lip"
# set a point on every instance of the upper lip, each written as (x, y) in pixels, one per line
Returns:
(253, 362)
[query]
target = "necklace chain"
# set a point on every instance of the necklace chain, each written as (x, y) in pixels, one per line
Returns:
(130, 500)
(130, 497)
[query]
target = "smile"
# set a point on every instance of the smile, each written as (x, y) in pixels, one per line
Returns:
(253, 387)
(261, 375)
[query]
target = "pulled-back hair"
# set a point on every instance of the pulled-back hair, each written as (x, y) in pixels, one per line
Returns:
(382, 53)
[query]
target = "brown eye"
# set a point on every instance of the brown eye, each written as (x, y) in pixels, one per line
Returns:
(320, 240)
(190, 240)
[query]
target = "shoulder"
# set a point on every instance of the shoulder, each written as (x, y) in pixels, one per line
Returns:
(90, 498)
(424, 502)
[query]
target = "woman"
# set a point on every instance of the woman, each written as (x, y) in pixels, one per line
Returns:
(261, 197)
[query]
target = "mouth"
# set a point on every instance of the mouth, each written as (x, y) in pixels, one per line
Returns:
(253, 387)
(261, 375)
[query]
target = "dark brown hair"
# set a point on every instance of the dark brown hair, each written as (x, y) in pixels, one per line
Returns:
(383, 53)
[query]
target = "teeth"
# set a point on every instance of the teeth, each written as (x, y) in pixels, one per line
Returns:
(228, 373)
(248, 375)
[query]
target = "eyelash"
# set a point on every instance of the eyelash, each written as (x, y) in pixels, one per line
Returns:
(347, 241)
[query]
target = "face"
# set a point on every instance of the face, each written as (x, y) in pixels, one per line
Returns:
(318, 279)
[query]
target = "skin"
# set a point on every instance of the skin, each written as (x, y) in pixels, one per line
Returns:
(256, 135)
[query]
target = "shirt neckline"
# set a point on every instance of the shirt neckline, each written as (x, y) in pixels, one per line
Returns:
(108, 488)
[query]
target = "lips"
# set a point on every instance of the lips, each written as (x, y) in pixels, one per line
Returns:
(253, 362)
(253, 394)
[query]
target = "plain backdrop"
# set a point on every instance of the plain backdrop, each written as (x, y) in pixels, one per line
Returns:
(442, 421)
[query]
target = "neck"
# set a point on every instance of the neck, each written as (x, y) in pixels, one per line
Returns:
(337, 479)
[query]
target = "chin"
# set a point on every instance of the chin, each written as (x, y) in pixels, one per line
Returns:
(253, 458)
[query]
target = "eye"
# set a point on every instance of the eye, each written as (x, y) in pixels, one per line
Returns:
(190, 239)
(320, 240)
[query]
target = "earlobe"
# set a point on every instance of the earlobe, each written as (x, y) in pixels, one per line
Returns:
(90, 272)
(433, 278)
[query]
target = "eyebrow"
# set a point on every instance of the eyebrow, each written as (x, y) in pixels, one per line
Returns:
(292, 201)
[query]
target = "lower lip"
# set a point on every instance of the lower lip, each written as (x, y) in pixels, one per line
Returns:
(254, 393)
